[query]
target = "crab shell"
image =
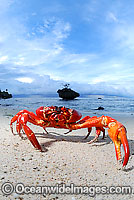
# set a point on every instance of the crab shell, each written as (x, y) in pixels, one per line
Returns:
(58, 114)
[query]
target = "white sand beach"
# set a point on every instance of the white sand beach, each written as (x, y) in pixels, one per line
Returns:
(67, 159)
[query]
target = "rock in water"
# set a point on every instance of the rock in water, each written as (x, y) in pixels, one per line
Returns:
(100, 108)
(5, 95)
(67, 94)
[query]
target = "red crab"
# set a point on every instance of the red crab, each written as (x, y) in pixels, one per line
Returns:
(61, 117)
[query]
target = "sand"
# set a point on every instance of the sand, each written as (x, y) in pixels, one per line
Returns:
(67, 159)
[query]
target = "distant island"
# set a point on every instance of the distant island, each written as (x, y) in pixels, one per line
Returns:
(67, 94)
(5, 94)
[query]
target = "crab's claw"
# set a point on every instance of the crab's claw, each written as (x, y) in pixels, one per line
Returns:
(22, 118)
(124, 141)
(117, 133)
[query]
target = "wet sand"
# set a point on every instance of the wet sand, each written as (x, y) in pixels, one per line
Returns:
(67, 159)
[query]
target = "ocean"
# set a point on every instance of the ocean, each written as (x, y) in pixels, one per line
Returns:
(87, 106)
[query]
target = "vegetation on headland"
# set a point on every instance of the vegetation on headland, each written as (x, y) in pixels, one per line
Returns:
(5, 94)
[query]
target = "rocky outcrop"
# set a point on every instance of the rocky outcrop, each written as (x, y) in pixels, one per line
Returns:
(5, 95)
(67, 94)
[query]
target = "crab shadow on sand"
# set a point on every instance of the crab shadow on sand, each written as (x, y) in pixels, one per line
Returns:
(56, 137)
(53, 137)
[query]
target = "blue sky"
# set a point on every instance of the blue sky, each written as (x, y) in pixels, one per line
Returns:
(87, 43)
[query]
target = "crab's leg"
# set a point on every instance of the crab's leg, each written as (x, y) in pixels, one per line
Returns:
(84, 119)
(89, 131)
(98, 131)
(18, 128)
(31, 136)
(94, 139)
(12, 121)
(89, 122)
(17, 116)
(81, 122)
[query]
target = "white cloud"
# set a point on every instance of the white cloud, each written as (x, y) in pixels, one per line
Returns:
(25, 79)
(3, 58)
(32, 50)
(61, 30)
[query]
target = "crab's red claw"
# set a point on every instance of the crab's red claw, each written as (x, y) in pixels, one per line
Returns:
(125, 144)
(117, 133)
(17, 118)
(22, 118)
(31, 136)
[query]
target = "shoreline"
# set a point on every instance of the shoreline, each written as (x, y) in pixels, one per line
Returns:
(66, 159)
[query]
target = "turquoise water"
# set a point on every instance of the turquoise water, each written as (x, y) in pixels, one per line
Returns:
(87, 106)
